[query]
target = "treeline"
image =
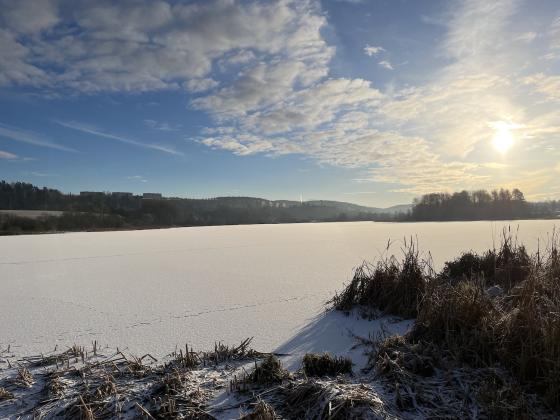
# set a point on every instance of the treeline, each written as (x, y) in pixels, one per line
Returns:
(121, 211)
(11, 224)
(480, 205)
(96, 211)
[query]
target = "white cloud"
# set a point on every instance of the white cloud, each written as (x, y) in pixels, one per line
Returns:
(316, 105)
(386, 65)
(415, 137)
(236, 58)
(14, 69)
(201, 85)
(277, 97)
(258, 87)
(370, 50)
(29, 16)
(150, 45)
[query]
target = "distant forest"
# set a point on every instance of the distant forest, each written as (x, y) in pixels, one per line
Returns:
(107, 211)
(98, 211)
(480, 205)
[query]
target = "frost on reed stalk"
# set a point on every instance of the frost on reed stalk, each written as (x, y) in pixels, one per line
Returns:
(270, 371)
(390, 286)
(519, 329)
(500, 308)
(261, 411)
(325, 365)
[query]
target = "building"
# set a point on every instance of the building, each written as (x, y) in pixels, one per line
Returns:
(152, 196)
(121, 194)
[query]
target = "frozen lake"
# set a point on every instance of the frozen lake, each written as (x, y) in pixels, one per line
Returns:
(151, 290)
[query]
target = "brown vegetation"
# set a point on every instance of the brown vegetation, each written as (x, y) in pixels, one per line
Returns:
(83, 383)
(390, 286)
(5, 394)
(270, 371)
(261, 411)
(326, 365)
(496, 309)
(312, 399)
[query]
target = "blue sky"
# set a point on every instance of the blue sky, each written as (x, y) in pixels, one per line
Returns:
(373, 102)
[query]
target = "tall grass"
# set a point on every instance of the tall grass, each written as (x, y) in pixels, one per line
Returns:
(325, 365)
(390, 286)
(517, 328)
(505, 266)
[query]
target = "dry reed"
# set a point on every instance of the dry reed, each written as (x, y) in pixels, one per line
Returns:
(326, 365)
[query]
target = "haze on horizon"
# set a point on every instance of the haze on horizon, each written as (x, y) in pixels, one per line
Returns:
(372, 102)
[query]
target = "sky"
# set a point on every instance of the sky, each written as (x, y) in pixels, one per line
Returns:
(374, 102)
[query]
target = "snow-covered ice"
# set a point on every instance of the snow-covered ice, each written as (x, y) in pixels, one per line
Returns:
(151, 290)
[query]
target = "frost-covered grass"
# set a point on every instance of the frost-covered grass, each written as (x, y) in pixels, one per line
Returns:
(491, 319)
(93, 383)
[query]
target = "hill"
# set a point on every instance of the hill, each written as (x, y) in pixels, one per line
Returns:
(91, 210)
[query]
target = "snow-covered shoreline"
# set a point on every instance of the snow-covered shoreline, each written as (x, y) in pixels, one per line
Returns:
(56, 383)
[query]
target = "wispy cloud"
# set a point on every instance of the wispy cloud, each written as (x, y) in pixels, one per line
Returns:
(371, 50)
(527, 37)
(162, 125)
(84, 128)
(547, 85)
(7, 155)
(40, 174)
(386, 65)
(138, 178)
(201, 85)
(30, 137)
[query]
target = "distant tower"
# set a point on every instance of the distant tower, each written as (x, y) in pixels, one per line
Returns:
(301, 198)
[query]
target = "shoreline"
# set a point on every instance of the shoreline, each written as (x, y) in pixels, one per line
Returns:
(398, 222)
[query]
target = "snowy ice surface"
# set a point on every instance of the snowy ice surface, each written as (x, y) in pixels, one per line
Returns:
(148, 291)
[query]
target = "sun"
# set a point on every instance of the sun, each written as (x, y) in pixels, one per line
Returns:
(502, 140)
(503, 137)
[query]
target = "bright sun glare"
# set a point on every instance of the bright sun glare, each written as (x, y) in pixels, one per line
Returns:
(503, 137)
(503, 140)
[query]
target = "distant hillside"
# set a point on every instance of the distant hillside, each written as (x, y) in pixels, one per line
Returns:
(350, 207)
(53, 210)
(121, 210)
(399, 208)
